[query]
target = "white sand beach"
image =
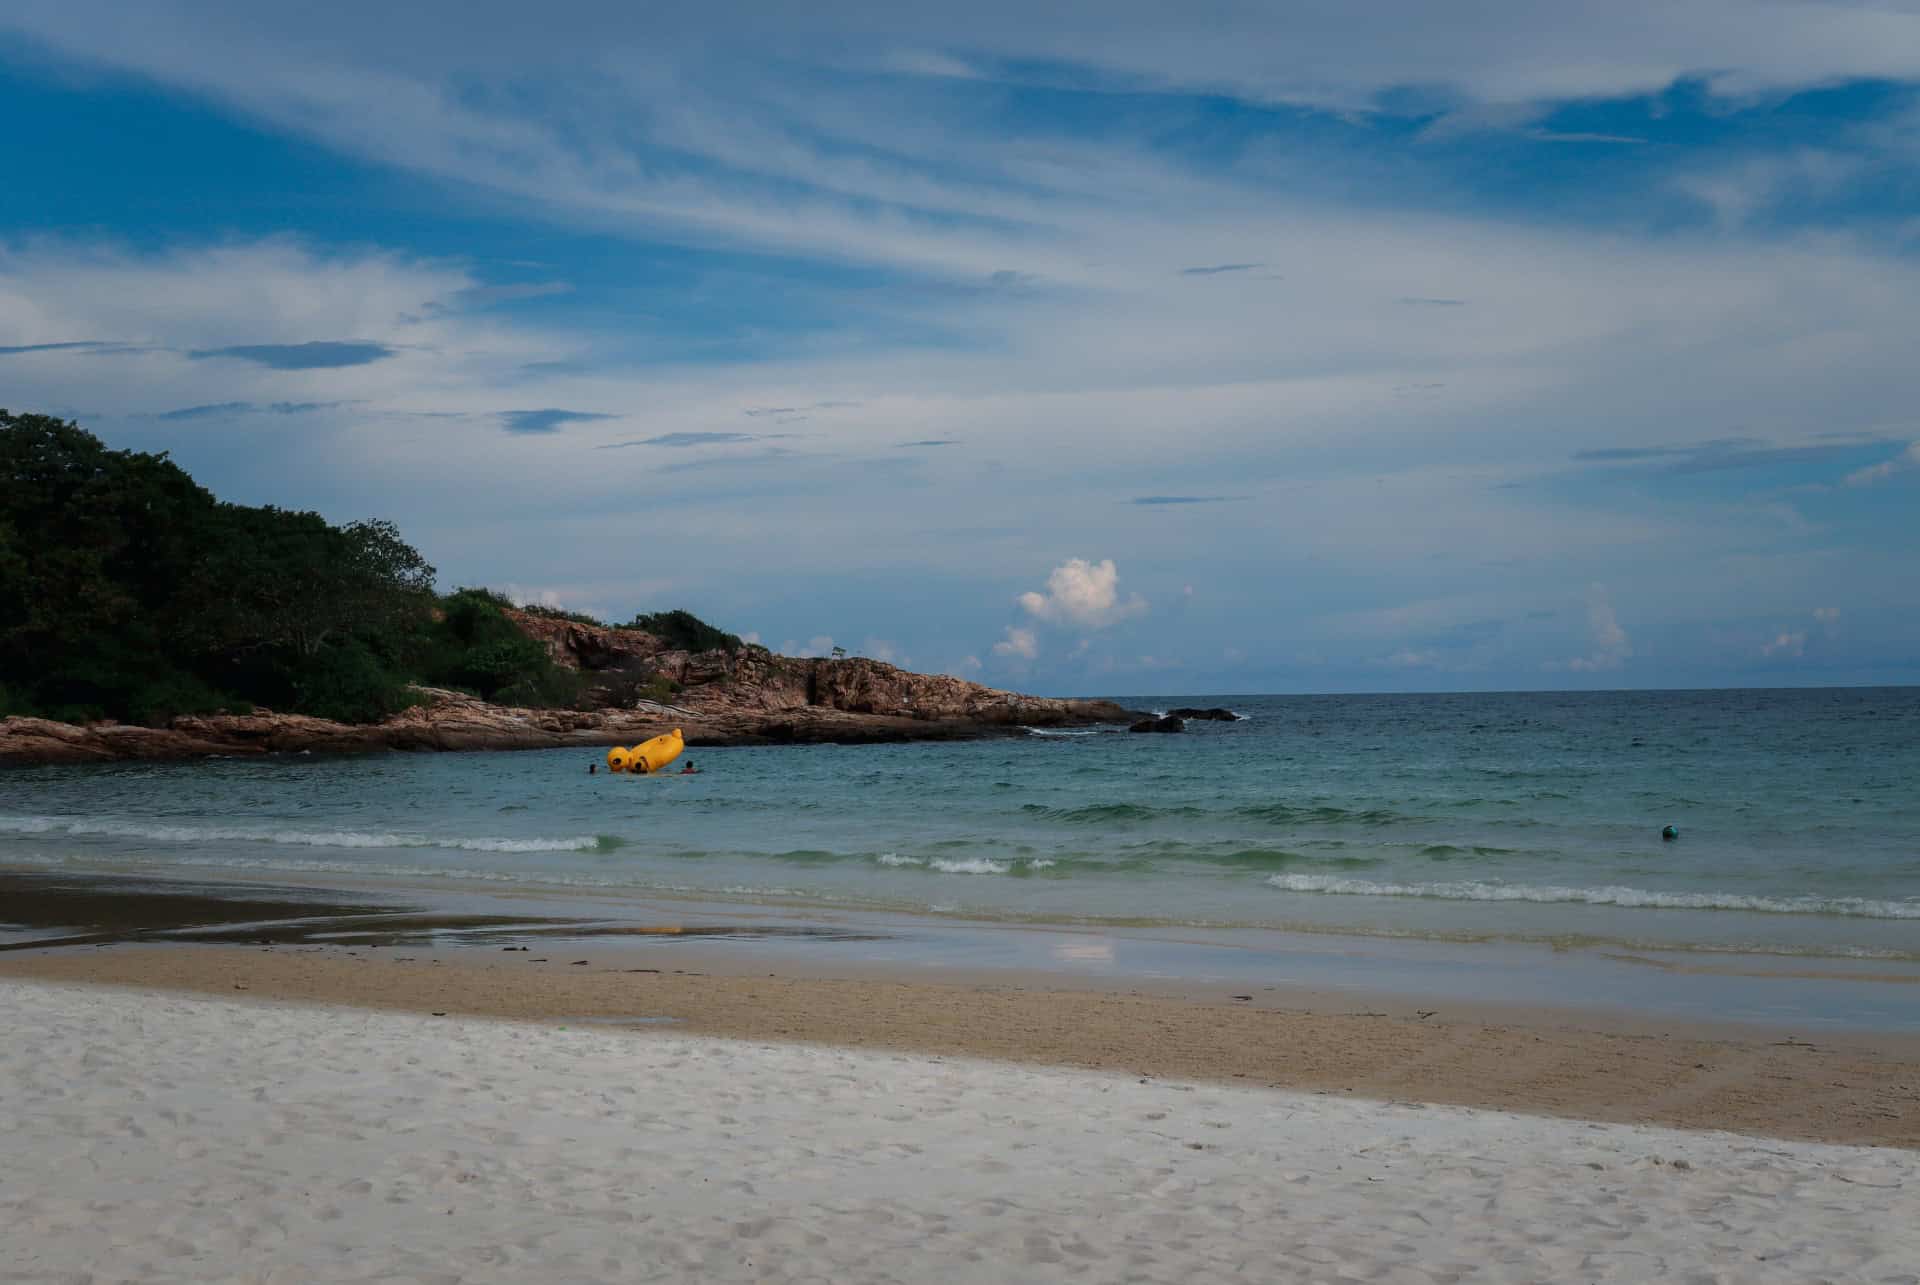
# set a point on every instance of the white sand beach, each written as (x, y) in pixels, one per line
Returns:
(157, 1137)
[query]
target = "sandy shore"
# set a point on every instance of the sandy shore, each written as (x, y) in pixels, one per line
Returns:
(1771, 1084)
(173, 1138)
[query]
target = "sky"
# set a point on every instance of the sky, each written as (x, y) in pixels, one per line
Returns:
(1087, 348)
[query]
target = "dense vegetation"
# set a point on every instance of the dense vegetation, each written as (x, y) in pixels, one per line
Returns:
(128, 591)
(686, 631)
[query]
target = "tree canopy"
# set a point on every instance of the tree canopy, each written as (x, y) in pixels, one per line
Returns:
(129, 591)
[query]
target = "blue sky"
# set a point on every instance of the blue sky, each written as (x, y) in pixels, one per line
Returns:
(1115, 348)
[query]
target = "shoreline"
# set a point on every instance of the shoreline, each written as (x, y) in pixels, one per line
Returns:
(713, 716)
(1839, 1088)
(1599, 985)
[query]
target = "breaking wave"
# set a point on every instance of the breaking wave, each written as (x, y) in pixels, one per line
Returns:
(1635, 898)
(967, 865)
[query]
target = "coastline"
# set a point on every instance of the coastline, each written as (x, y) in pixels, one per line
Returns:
(451, 721)
(277, 1080)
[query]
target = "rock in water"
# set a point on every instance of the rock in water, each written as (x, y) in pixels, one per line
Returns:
(1205, 715)
(1168, 724)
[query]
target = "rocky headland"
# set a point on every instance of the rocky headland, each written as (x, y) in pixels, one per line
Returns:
(635, 686)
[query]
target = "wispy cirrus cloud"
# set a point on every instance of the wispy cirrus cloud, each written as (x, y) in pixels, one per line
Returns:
(684, 440)
(868, 200)
(476, 297)
(1722, 454)
(1905, 461)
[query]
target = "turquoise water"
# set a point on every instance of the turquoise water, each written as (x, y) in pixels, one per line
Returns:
(1510, 817)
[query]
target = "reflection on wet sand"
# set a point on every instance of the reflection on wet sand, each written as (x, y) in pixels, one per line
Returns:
(38, 912)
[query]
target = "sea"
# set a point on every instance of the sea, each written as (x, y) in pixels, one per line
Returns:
(1501, 820)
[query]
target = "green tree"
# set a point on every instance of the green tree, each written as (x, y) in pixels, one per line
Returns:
(686, 631)
(127, 590)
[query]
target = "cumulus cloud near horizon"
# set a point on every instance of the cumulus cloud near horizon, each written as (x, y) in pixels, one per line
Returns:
(815, 648)
(1083, 595)
(1023, 643)
(1612, 648)
(1787, 643)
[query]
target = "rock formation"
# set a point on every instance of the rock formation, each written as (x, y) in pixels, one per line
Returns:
(639, 686)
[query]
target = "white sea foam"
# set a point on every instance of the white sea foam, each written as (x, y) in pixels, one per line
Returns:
(299, 838)
(1634, 898)
(951, 865)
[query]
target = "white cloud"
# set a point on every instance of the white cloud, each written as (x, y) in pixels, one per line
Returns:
(1611, 646)
(1786, 644)
(882, 650)
(751, 638)
(1322, 52)
(525, 597)
(815, 647)
(1571, 337)
(1407, 658)
(1793, 642)
(1023, 643)
(1738, 192)
(1907, 459)
(1083, 595)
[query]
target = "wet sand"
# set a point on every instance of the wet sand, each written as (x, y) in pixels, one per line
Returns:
(1774, 1084)
(764, 977)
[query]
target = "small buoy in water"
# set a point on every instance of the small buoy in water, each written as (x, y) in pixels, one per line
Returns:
(1670, 833)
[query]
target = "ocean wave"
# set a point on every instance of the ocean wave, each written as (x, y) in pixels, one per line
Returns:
(1448, 851)
(1321, 814)
(303, 838)
(1279, 858)
(1632, 898)
(1107, 813)
(967, 865)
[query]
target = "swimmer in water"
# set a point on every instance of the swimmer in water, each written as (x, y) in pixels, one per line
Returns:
(689, 769)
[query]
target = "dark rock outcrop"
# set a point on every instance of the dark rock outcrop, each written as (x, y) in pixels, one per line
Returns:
(1205, 715)
(1166, 724)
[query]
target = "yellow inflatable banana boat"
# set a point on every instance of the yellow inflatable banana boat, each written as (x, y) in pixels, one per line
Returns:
(647, 756)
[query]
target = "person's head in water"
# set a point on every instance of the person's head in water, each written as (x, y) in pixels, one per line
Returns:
(592, 768)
